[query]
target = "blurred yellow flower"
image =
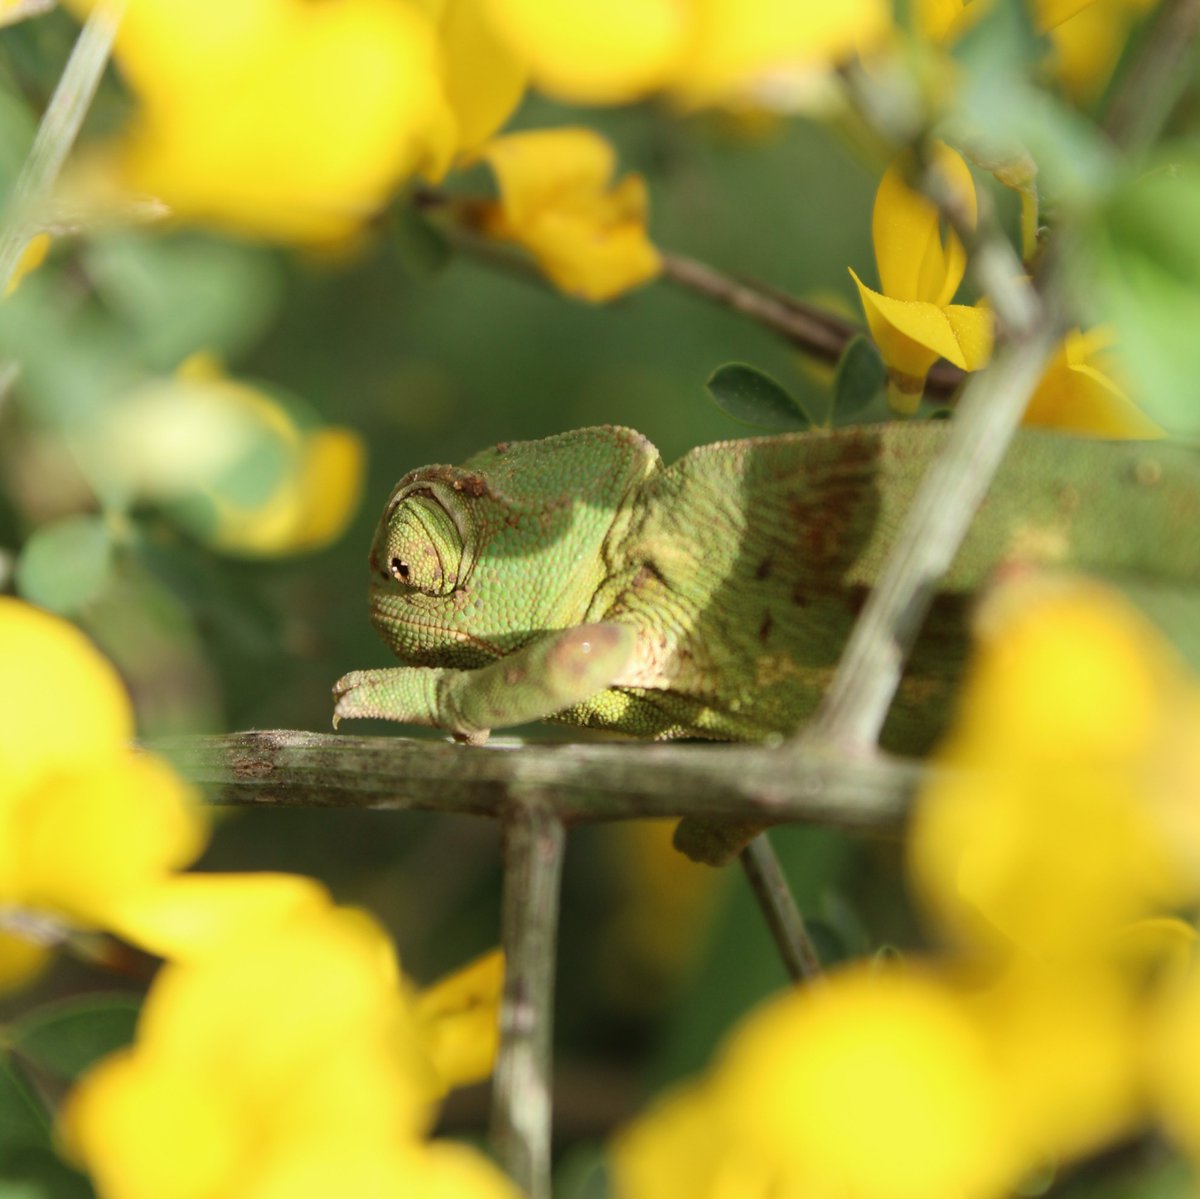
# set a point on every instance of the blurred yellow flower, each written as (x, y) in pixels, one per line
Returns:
(86, 824)
(1175, 1063)
(1087, 44)
(557, 202)
(22, 958)
(875, 1083)
(278, 118)
(1058, 817)
(913, 321)
(266, 1067)
(250, 479)
(1079, 394)
(701, 51)
(1066, 1045)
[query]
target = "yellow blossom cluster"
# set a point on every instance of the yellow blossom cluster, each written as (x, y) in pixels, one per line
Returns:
(280, 1050)
(1056, 838)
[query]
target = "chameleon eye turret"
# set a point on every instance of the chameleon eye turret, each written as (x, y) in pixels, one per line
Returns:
(420, 546)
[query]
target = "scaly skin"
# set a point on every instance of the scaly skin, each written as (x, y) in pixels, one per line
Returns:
(578, 579)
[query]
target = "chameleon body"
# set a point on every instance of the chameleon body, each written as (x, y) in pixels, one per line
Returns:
(580, 580)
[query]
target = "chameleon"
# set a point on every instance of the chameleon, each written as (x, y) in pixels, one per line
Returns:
(580, 580)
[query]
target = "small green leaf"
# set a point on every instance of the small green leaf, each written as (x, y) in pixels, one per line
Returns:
(66, 1037)
(859, 378)
(754, 398)
(65, 563)
(23, 1119)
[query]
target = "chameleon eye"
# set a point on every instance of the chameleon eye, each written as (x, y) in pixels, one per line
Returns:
(423, 546)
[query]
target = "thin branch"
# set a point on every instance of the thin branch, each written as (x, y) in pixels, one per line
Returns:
(534, 841)
(1152, 84)
(813, 330)
(778, 906)
(590, 781)
(56, 134)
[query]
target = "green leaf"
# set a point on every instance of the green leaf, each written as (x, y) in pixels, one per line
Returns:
(66, 1037)
(859, 378)
(65, 563)
(754, 398)
(23, 1119)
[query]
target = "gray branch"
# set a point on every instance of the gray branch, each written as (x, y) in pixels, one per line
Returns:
(580, 781)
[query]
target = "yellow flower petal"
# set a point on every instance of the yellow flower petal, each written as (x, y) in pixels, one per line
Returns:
(1055, 825)
(555, 201)
(191, 916)
(596, 53)
(461, 1016)
(1077, 394)
(30, 259)
(915, 262)
(881, 1058)
(53, 679)
(83, 841)
(912, 335)
(278, 118)
(483, 79)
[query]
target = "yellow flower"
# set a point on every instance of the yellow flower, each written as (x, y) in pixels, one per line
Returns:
(556, 201)
(482, 79)
(85, 823)
(702, 51)
(1061, 815)
(883, 1059)
(1079, 394)
(1066, 1045)
(1087, 44)
(232, 463)
(913, 321)
(278, 118)
(287, 1056)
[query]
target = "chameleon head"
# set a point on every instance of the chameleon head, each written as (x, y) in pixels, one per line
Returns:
(421, 557)
(470, 563)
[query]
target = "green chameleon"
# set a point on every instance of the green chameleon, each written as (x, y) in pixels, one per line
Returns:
(577, 579)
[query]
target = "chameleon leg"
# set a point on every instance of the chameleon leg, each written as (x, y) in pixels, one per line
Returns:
(552, 673)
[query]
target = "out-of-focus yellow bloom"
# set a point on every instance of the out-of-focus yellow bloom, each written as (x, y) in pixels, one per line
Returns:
(281, 1058)
(482, 79)
(913, 321)
(702, 51)
(86, 824)
(1078, 392)
(313, 477)
(557, 202)
(278, 118)
(460, 1019)
(1060, 819)
(1088, 43)
(890, 1060)
(1066, 1045)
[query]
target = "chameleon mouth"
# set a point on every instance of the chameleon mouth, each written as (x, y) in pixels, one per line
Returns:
(389, 610)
